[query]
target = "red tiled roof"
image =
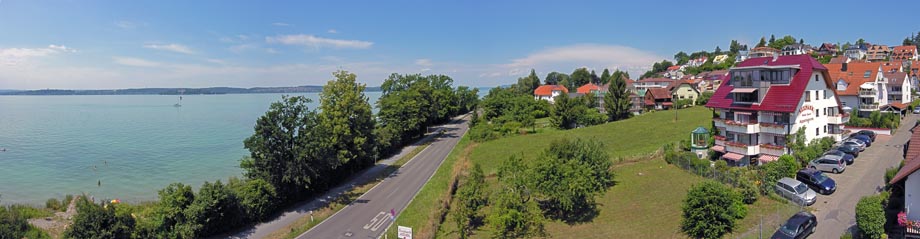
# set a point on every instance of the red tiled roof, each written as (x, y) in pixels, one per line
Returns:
(659, 93)
(900, 49)
(911, 161)
(895, 78)
(854, 76)
(587, 88)
(839, 60)
(673, 68)
(891, 66)
(545, 90)
(779, 98)
(898, 105)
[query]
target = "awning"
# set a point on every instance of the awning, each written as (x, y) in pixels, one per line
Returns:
(744, 90)
(742, 113)
(766, 158)
(733, 156)
(718, 148)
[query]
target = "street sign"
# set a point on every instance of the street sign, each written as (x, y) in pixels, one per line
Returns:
(404, 232)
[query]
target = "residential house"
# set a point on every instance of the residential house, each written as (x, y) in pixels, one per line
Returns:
(684, 90)
(898, 88)
(653, 83)
(743, 54)
(904, 53)
(711, 80)
(674, 72)
(763, 100)
(658, 99)
(892, 66)
(859, 85)
(719, 59)
(840, 60)
(763, 51)
(856, 52)
(637, 98)
(797, 49)
(909, 175)
(697, 62)
(549, 92)
(827, 49)
(592, 88)
(878, 53)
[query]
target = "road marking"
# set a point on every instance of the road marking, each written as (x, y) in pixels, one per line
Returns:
(377, 221)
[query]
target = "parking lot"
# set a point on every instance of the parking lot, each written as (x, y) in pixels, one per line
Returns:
(866, 176)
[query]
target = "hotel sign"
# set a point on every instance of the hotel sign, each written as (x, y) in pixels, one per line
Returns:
(806, 113)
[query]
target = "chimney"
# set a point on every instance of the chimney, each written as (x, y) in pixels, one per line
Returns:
(843, 67)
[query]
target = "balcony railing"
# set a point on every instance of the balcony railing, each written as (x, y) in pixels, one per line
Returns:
(749, 127)
(774, 128)
(742, 148)
(838, 119)
(868, 107)
(772, 149)
(867, 93)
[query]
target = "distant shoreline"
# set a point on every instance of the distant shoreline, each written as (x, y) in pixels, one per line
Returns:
(178, 91)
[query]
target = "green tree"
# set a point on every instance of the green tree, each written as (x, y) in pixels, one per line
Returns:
(168, 219)
(870, 217)
(554, 78)
(772, 39)
(286, 149)
(471, 197)
(15, 225)
(782, 42)
(569, 175)
(566, 112)
(617, 101)
(580, 77)
(735, 47)
(345, 112)
(215, 209)
(681, 58)
(526, 85)
(605, 76)
(762, 42)
(257, 197)
(514, 214)
(711, 210)
(95, 221)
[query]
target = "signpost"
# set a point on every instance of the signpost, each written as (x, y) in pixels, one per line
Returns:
(404, 232)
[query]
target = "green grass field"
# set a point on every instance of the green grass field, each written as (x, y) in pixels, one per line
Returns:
(644, 203)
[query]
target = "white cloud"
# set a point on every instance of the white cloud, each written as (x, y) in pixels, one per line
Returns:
(136, 62)
(333, 31)
(15, 56)
(423, 62)
(171, 47)
(318, 42)
(61, 48)
(281, 24)
(242, 47)
(570, 57)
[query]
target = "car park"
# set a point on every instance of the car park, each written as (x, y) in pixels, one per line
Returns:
(849, 149)
(795, 191)
(869, 133)
(800, 225)
(817, 180)
(828, 164)
(836, 153)
(865, 139)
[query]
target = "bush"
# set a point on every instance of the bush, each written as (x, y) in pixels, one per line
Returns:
(215, 209)
(53, 204)
(569, 175)
(483, 132)
(870, 216)
(749, 193)
(257, 197)
(711, 210)
(96, 221)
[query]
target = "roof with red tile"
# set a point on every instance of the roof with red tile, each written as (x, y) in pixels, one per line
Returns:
(902, 49)
(673, 68)
(895, 78)
(764, 49)
(547, 90)
(911, 161)
(659, 93)
(891, 66)
(779, 98)
(587, 88)
(854, 76)
(839, 60)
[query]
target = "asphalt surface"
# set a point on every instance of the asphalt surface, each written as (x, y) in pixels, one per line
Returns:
(836, 213)
(370, 214)
(292, 214)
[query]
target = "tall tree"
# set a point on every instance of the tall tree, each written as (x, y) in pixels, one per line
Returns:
(605, 76)
(617, 101)
(734, 47)
(514, 214)
(526, 85)
(762, 42)
(594, 78)
(718, 50)
(553, 78)
(471, 197)
(580, 77)
(346, 113)
(566, 111)
(772, 39)
(570, 174)
(681, 58)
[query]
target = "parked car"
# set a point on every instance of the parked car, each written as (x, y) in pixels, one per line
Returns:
(816, 180)
(795, 191)
(865, 139)
(800, 225)
(828, 164)
(849, 149)
(834, 153)
(858, 143)
(917, 110)
(869, 133)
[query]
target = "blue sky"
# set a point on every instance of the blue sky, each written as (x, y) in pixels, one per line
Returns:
(123, 44)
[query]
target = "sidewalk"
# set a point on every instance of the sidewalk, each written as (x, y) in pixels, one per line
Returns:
(291, 214)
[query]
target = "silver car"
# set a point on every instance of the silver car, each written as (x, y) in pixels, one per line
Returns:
(796, 191)
(858, 143)
(828, 164)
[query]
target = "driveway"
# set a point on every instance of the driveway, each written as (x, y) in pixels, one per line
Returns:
(836, 212)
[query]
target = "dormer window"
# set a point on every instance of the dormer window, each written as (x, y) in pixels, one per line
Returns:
(866, 75)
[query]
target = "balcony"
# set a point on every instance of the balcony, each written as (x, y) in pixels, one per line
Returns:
(751, 127)
(742, 148)
(719, 122)
(868, 107)
(867, 93)
(772, 149)
(774, 128)
(838, 119)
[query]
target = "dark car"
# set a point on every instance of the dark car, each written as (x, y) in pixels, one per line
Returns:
(840, 154)
(816, 180)
(800, 225)
(869, 133)
(849, 149)
(866, 139)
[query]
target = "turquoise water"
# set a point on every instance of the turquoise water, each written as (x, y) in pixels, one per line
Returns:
(132, 145)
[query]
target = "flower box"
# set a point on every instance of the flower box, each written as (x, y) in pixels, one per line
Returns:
(736, 144)
(771, 146)
(905, 222)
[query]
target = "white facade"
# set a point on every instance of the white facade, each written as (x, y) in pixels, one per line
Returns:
(550, 98)
(873, 94)
(855, 53)
(899, 93)
(818, 112)
(911, 189)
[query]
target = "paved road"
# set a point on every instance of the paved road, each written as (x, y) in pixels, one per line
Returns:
(836, 213)
(369, 215)
(291, 215)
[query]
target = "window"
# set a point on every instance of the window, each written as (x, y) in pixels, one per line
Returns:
(746, 97)
(866, 75)
(825, 129)
(781, 118)
(808, 96)
(816, 77)
(779, 140)
(817, 131)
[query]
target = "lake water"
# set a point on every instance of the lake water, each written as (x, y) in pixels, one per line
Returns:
(126, 146)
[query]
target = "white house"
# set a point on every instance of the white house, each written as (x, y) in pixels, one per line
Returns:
(909, 174)
(898, 87)
(796, 49)
(856, 52)
(859, 85)
(549, 92)
(764, 99)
